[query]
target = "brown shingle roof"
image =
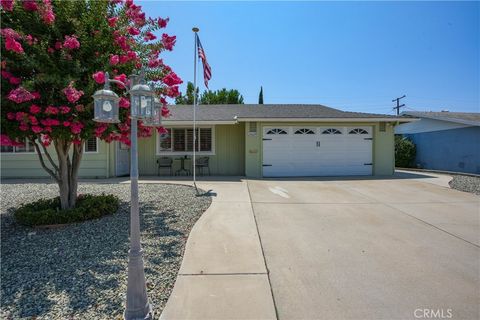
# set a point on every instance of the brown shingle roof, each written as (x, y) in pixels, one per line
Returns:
(265, 111)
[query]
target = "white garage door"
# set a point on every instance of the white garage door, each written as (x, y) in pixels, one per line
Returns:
(317, 151)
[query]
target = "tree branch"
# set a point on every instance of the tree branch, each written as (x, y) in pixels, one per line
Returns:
(45, 151)
(42, 162)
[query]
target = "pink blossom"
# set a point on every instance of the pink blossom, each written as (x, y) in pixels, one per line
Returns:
(114, 60)
(45, 139)
(37, 129)
(31, 40)
(50, 122)
(133, 31)
(58, 45)
(71, 42)
(7, 5)
(99, 77)
(80, 108)
(20, 95)
(76, 127)
(165, 112)
(123, 78)
(15, 81)
(36, 95)
(50, 50)
(20, 116)
(48, 129)
(12, 45)
(172, 92)
(124, 59)
(46, 11)
(162, 23)
(77, 141)
(149, 36)
(132, 55)
(66, 123)
(100, 129)
(34, 109)
(64, 109)
(124, 103)
(6, 74)
(23, 127)
(154, 63)
(30, 5)
(10, 33)
(5, 140)
(172, 79)
(10, 115)
(112, 21)
(33, 120)
(72, 94)
(51, 110)
(162, 130)
(168, 42)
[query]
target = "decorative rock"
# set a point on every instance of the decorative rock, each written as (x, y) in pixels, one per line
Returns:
(80, 271)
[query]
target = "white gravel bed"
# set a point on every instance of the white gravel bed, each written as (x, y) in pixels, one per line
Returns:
(466, 183)
(80, 271)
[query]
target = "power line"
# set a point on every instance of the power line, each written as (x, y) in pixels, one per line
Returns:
(398, 104)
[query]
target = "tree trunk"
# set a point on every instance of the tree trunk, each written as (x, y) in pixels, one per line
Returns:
(68, 172)
(65, 172)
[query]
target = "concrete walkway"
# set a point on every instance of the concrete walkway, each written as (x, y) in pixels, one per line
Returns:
(223, 273)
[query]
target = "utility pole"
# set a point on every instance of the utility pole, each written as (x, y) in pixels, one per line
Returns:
(398, 104)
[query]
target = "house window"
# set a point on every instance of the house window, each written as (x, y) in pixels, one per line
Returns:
(180, 140)
(26, 148)
(91, 145)
(304, 131)
(331, 131)
(276, 131)
(358, 131)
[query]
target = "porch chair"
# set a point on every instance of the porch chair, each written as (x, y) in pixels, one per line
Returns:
(165, 162)
(201, 163)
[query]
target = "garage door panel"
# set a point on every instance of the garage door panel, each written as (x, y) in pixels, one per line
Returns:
(317, 154)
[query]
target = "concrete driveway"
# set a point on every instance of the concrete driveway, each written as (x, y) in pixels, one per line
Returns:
(369, 249)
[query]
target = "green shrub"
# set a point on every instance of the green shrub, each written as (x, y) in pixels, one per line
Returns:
(405, 152)
(47, 211)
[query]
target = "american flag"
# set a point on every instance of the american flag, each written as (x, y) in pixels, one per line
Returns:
(207, 71)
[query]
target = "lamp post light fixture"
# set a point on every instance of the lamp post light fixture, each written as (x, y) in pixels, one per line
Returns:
(106, 104)
(156, 119)
(141, 107)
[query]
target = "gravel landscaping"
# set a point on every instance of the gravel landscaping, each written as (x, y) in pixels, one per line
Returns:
(466, 183)
(79, 271)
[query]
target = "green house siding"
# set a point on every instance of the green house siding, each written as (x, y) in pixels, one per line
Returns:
(383, 146)
(229, 157)
(27, 165)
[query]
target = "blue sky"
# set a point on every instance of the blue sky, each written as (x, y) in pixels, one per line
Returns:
(355, 56)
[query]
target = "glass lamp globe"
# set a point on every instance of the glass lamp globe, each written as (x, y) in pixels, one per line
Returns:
(156, 119)
(106, 106)
(142, 102)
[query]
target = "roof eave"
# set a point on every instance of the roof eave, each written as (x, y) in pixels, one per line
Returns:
(380, 119)
(198, 122)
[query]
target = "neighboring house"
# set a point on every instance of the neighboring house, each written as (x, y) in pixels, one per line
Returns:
(445, 140)
(247, 140)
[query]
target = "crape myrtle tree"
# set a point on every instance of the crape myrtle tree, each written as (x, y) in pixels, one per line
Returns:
(54, 54)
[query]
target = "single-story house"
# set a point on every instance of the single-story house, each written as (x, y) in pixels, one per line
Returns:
(245, 140)
(445, 140)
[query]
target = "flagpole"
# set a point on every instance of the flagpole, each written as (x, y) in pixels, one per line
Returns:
(195, 30)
